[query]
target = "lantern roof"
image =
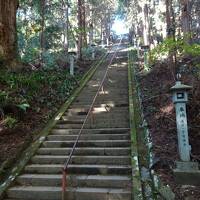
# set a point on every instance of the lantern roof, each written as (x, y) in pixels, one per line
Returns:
(179, 86)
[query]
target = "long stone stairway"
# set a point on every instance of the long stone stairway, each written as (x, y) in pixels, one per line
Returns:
(100, 168)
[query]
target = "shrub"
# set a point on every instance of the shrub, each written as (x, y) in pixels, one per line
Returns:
(9, 122)
(178, 46)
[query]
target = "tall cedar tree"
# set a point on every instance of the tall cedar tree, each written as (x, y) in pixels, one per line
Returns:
(8, 33)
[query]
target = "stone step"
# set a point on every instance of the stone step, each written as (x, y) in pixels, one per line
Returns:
(107, 160)
(111, 82)
(103, 96)
(101, 112)
(91, 131)
(75, 180)
(85, 151)
(115, 87)
(120, 106)
(108, 90)
(73, 117)
(77, 111)
(100, 109)
(99, 102)
(74, 122)
(105, 116)
(115, 102)
(89, 137)
(88, 143)
(93, 119)
(79, 169)
(54, 193)
(100, 117)
(93, 124)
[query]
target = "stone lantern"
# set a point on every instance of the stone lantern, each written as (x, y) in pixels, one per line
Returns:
(72, 56)
(93, 51)
(180, 98)
(186, 170)
(146, 49)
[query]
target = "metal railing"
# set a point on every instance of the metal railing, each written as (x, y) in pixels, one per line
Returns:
(64, 171)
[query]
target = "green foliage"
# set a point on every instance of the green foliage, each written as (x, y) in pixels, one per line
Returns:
(24, 89)
(162, 50)
(29, 50)
(3, 97)
(29, 29)
(9, 122)
(86, 53)
(53, 34)
(193, 49)
(178, 46)
(23, 106)
(50, 58)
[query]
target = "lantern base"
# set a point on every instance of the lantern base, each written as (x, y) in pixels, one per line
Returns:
(187, 173)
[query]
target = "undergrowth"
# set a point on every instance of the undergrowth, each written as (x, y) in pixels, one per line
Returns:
(179, 46)
(33, 90)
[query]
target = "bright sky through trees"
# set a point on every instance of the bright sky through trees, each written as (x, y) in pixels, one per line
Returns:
(119, 27)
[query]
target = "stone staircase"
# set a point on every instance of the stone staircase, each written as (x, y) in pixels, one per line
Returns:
(100, 168)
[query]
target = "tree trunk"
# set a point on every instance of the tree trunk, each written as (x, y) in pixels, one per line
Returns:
(170, 22)
(186, 14)
(91, 27)
(108, 29)
(168, 18)
(80, 37)
(66, 27)
(42, 36)
(8, 33)
(91, 34)
(102, 33)
(146, 25)
(84, 23)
